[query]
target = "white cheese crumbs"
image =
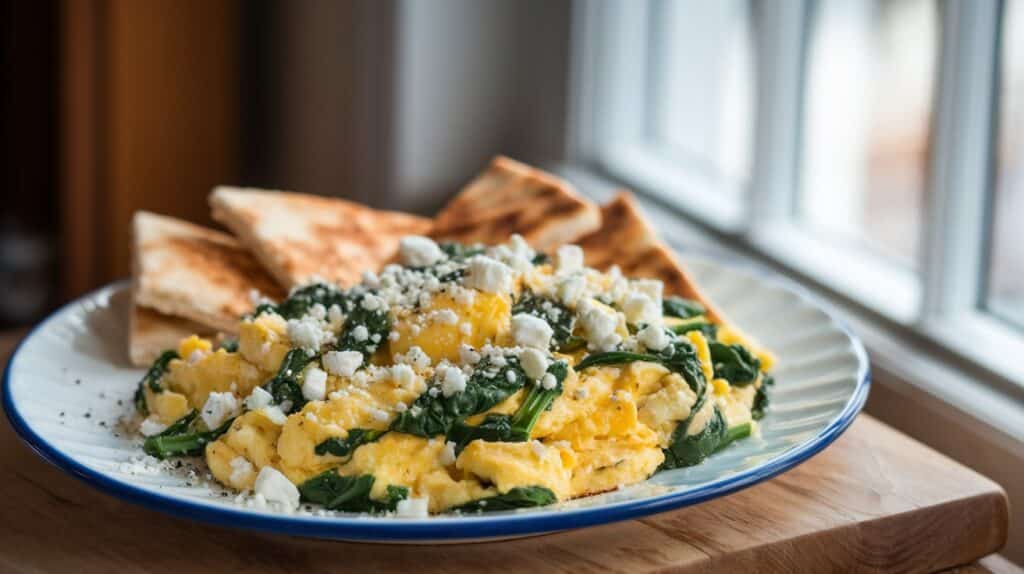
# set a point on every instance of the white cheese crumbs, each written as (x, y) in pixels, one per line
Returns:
(548, 382)
(568, 259)
(468, 355)
(445, 317)
(394, 336)
(653, 288)
(466, 328)
(314, 385)
(653, 337)
(318, 311)
(342, 363)
(419, 251)
(447, 454)
(275, 487)
(379, 415)
(510, 376)
(306, 333)
(371, 280)
(258, 399)
(488, 275)
(311, 417)
(463, 296)
(275, 414)
(334, 314)
(538, 448)
(403, 376)
(196, 356)
(599, 325)
(453, 381)
(372, 302)
(218, 408)
(416, 358)
(401, 407)
(360, 333)
(240, 469)
(534, 363)
(413, 507)
(150, 427)
(640, 308)
(571, 289)
(531, 331)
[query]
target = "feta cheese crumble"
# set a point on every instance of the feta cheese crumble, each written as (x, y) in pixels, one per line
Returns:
(275, 487)
(534, 363)
(240, 469)
(342, 363)
(488, 275)
(419, 251)
(453, 381)
(413, 508)
(314, 385)
(403, 376)
(218, 408)
(653, 337)
(531, 331)
(150, 427)
(568, 259)
(258, 399)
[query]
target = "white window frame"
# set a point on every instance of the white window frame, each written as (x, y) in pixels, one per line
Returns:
(942, 304)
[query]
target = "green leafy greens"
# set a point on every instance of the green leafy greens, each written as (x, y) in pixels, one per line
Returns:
(284, 386)
(517, 427)
(679, 357)
(152, 380)
(349, 493)
(377, 323)
(734, 363)
(518, 497)
(301, 300)
(434, 414)
(561, 319)
(761, 400)
(681, 308)
(344, 447)
(182, 438)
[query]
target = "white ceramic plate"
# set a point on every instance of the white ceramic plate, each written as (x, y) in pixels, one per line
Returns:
(69, 383)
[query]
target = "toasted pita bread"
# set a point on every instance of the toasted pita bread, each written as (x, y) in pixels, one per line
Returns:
(626, 239)
(299, 237)
(511, 197)
(196, 273)
(152, 333)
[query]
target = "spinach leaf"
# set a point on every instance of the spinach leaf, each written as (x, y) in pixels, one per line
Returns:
(558, 316)
(349, 493)
(679, 357)
(182, 439)
(681, 308)
(518, 497)
(761, 400)
(734, 363)
(699, 323)
(376, 322)
(284, 386)
(152, 380)
(302, 299)
(432, 415)
(690, 450)
(344, 447)
(541, 259)
(515, 428)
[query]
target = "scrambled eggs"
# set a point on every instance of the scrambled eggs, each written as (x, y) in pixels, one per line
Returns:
(464, 379)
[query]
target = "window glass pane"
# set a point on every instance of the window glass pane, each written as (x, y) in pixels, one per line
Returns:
(869, 83)
(701, 108)
(1006, 279)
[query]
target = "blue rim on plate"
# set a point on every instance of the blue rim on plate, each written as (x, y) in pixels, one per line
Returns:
(447, 528)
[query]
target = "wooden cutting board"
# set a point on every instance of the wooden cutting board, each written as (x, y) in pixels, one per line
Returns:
(874, 500)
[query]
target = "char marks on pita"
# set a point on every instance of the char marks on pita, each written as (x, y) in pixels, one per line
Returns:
(511, 197)
(188, 271)
(626, 239)
(300, 237)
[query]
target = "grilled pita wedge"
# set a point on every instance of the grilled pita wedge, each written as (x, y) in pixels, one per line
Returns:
(299, 237)
(195, 273)
(626, 239)
(511, 197)
(152, 333)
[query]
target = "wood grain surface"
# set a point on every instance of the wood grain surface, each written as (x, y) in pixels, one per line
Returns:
(876, 500)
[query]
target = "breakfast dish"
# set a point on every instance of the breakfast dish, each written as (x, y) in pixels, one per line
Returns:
(555, 359)
(463, 378)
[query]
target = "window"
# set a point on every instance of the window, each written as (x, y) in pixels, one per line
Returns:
(869, 80)
(851, 141)
(1006, 273)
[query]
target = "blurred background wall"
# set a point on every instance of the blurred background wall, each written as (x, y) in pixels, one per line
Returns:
(118, 105)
